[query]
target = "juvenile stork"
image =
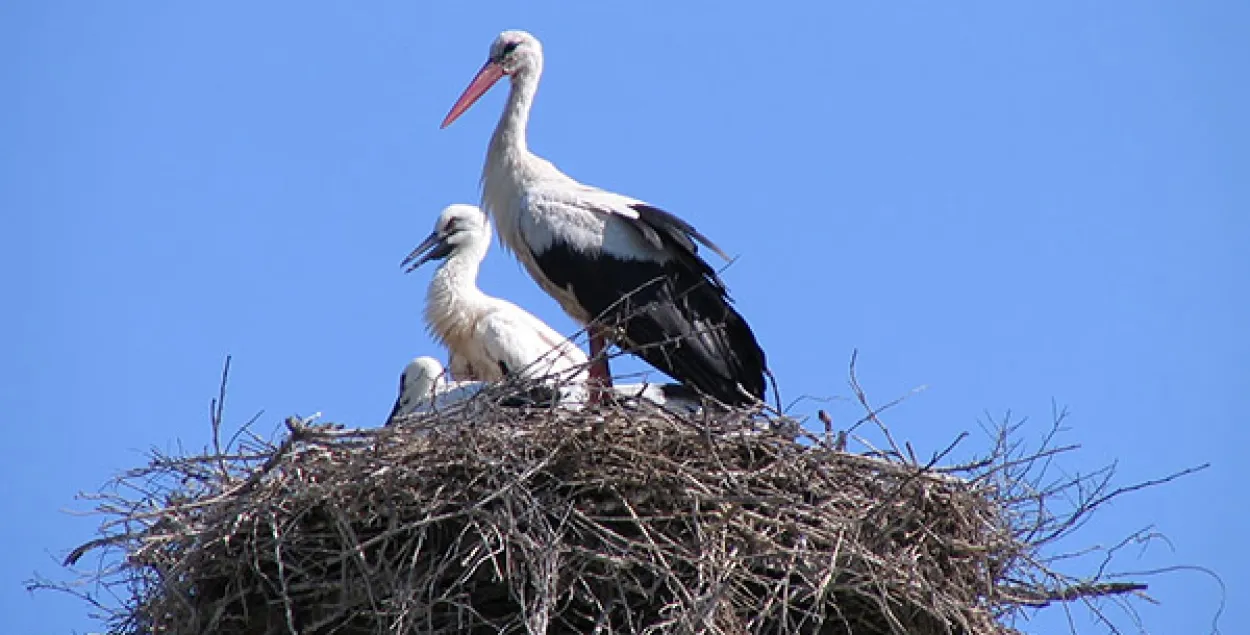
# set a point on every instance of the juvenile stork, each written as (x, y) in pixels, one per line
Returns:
(629, 270)
(423, 386)
(488, 338)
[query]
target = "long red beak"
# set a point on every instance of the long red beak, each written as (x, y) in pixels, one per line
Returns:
(485, 78)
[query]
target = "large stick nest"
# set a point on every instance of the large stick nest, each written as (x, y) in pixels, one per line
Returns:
(486, 520)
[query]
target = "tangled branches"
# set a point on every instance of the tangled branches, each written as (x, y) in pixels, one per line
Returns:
(486, 519)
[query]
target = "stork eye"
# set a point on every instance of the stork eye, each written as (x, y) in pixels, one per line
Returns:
(509, 48)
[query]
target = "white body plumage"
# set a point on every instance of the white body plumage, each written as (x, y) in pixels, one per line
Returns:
(488, 338)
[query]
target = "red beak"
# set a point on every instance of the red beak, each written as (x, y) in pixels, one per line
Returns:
(485, 78)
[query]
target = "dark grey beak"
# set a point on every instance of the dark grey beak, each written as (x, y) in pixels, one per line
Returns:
(432, 248)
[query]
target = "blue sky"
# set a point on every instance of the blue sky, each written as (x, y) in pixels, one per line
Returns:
(1010, 203)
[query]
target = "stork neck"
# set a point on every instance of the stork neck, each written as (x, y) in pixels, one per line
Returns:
(459, 271)
(509, 137)
(453, 299)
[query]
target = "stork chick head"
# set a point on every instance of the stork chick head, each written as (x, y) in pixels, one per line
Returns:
(458, 228)
(421, 380)
(421, 376)
(514, 53)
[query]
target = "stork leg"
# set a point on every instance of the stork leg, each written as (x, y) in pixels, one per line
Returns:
(600, 379)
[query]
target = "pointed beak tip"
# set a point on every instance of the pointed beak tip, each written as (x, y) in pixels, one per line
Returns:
(485, 78)
(432, 248)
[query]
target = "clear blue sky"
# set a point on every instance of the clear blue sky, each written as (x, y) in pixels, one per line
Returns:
(1007, 202)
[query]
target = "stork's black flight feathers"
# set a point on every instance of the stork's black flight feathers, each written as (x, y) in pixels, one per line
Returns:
(676, 315)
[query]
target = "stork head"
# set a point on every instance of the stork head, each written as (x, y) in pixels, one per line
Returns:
(422, 380)
(512, 53)
(459, 228)
(421, 377)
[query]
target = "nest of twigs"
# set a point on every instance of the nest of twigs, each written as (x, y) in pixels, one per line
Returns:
(497, 520)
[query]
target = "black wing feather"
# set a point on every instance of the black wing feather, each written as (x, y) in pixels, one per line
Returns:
(677, 315)
(677, 229)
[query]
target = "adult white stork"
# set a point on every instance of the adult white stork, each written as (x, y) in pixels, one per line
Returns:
(629, 270)
(488, 338)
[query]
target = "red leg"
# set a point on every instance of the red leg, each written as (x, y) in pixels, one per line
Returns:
(600, 379)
